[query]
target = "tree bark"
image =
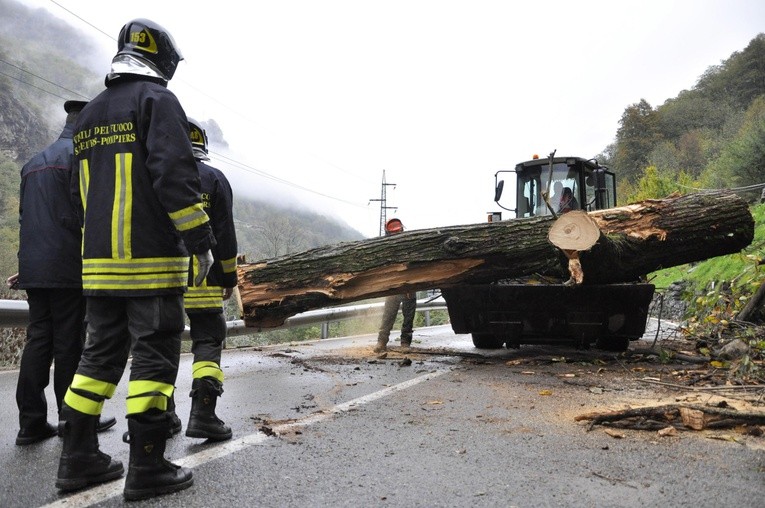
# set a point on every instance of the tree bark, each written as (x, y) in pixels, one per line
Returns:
(754, 303)
(635, 240)
(686, 416)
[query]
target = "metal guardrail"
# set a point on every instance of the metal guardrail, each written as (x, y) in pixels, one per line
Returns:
(15, 314)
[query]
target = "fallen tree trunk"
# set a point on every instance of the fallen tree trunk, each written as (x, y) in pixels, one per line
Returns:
(635, 240)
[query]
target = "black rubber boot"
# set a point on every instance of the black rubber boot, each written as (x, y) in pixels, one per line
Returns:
(149, 473)
(81, 462)
(175, 423)
(106, 423)
(203, 422)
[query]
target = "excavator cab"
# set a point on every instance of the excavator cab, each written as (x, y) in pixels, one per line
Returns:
(542, 311)
(593, 187)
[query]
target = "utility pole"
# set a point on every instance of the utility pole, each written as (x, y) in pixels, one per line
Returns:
(384, 203)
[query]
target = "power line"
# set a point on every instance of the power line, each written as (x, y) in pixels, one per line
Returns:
(231, 161)
(238, 112)
(16, 78)
(229, 108)
(30, 84)
(83, 20)
(269, 176)
(746, 188)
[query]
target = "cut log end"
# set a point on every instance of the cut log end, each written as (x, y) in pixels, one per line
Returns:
(574, 231)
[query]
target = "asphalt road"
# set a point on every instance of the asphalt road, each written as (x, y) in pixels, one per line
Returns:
(331, 424)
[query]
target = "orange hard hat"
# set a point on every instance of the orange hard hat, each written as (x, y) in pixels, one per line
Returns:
(394, 226)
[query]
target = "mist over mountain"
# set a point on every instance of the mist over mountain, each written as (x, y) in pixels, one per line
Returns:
(43, 62)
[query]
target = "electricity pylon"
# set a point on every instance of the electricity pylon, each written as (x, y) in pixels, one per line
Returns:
(384, 203)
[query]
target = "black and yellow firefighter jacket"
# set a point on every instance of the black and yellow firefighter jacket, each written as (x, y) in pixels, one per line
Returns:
(217, 200)
(140, 191)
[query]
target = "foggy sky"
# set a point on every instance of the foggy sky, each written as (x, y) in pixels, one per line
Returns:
(439, 94)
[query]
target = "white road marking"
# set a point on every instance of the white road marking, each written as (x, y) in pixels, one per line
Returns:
(108, 490)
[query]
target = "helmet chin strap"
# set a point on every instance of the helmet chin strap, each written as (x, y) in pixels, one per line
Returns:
(200, 154)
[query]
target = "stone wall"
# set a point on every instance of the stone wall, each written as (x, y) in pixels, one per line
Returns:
(669, 303)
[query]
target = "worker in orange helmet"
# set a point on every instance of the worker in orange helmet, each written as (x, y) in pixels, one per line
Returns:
(407, 302)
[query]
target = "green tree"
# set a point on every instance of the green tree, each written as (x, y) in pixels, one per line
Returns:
(637, 136)
(656, 184)
(608, 156)
(692, 110)
(691, 147)
(739, 79)
(665, 156)
(742, 161)
(747, 72)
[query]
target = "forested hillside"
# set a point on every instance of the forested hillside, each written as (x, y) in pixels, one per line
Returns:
(710, 136)
(44, 61)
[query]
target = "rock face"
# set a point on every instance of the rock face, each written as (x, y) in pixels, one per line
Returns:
(46, 61)
(670, 302)
(24, 130)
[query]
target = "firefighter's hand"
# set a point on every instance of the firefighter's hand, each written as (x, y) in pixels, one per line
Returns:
(227, 292)
(13, 281)
(204, 263)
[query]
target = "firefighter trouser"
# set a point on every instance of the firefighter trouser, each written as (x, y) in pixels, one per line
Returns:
(208, 331)
(55, 333)
(408, 304)
(207, 323)
(150, 326)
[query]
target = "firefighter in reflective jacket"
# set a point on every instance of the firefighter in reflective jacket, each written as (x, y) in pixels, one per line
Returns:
(204, 303)
(142, 216)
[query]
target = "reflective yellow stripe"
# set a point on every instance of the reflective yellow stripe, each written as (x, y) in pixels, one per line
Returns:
(83, 404)
(229, 265)
(141, 387)
(88, 384)
(202, 303)
(145, 265)
(206, 369)
(133, 274)
(195, 271)
(189, 217)
(127, 283)
(205, 291)
(122, 208)
(84, 182)
(141, 404)
(145, 394)
(203, 297)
